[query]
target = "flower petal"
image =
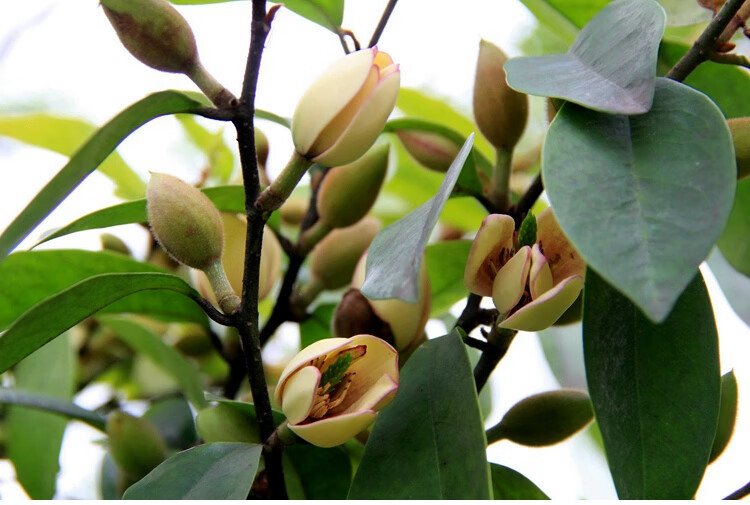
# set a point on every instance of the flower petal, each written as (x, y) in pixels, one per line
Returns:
(547, 309)
(304, 357)
(333, 431)
(299, 394)
(376, 397)
(495, 235)
(564, 260)
(510, 281)
(540, 277)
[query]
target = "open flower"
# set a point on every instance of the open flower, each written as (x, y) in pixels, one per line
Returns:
(532, 286)
(343, 112)
(334, 388)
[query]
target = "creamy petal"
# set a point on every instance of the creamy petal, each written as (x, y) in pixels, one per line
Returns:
(547, 309)
(376, 397)
(299, 394)
(564, 260)
(540, 277)
(333, 431)
(494, 235)
(304, 357)
(510, 281)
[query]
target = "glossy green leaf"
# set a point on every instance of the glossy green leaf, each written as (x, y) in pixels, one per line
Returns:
(579, 12)
(429, 442)
(46, 273)
(327, 13)
(173, 419)
(324, 474)
(317, 326)
(735, 287)
(446, 262)
(64, 136)
(51, 404)
(396, 252)
(247, 409)
(610, 67)
(89, 156)
(734, 243)
(655, 389)
(507, 484)
(52, 316)
(218, 471)
(643, 198)
(553, 19)
(33, 437)
(226, 199)
(220, 159)
(165, 357)
(727, 414)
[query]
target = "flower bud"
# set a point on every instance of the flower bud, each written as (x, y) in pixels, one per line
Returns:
(294, 209)
(154, 32)
(740, 128)
(344, 110)
(184, 221)
(500, 111)
(348, 192)
(429, 149)
(190, 339)
(226, 423)
(136, 446)
(334, 259)
(114, 243)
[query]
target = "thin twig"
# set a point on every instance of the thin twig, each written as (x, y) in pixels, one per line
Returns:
(740, 493)
(343, 33)
(383, 21)
(478, 344)
(213, 312)
(217, 114)
(739, 60)
(500, 340)
(467, 321)
(519, 210)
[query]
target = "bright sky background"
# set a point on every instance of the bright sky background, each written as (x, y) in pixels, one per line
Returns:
(62, 56)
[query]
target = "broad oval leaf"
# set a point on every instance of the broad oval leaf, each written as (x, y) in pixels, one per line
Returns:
(429, 442)
(52, 316)
(324, 474)
(395, 255)
(88, 157)
(218, 471)
(508, 484)
(327, 13)
(172, 417)
(734, 243)
(610, 67)
(643, 198)
(655, 389)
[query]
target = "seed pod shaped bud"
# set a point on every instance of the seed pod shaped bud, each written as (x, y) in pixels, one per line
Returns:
(190, 339)
(342, 113)
(136, 446)
(261, 147)
(184, 221)
(741, 133)
(430, 149)
(545, 419)
(294, 209)
(335, 257)
(115, 244)
(500, 111)
(226, 423)
(348, 192)
(154, 32)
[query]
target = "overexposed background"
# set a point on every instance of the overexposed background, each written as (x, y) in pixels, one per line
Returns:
(62, 56)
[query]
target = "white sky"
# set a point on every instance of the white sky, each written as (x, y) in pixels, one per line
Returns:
(62, 56)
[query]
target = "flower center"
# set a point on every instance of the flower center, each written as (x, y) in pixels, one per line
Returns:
(335, 380)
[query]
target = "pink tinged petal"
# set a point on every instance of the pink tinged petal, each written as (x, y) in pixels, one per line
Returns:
(374, 398)
(382, 60)
(304, 357)
(299, 394)
(547, 309)
(333, 431)
(328, 95)
(380, 359)
(540, 277)
(510, 281)
(495, 235)
(366, 124)
(564, 260)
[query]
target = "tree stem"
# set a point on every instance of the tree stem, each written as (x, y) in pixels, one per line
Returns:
(383, 21)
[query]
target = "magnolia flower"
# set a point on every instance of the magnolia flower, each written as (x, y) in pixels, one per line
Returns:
(343, 112)
(334, 388)
(532, 286)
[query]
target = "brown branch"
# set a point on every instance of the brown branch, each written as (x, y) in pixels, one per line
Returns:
(738, 60)
(383, 21)
(518, 211)
(212, 312)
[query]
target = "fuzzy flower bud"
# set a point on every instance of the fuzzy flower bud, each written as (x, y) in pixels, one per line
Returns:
(334, 259)
(429, 149)
(740, 128)
(136, 446)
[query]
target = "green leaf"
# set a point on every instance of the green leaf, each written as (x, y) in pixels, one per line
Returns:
(735, 287)
(734, 243)
(507, 484)
(317, 326)
(27, 278)
(46, 403)
(52, 316)
(429, 442)
(396, 252)
(554, 19)
(173, 419)
(89, 156)
(327, 13)
(248, 409)
(610, 67)
(727, 415)
(33, 437)
(324, 474)
(446, 262)
(655, 389)
(218, 471)
(219, 157)
(643, 198)
(167, 358)
(64, 136)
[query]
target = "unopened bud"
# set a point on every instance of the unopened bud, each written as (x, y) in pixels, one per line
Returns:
(355, 316)
(191, 339)
(114, 243)
(136, 446)
(741, 134)
(500, 111)
(335, 257)
(226, 423)
(348, 192)
(294, 209)
(429, 149)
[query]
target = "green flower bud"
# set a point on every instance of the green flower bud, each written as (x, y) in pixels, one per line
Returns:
(500, 111)
(136, 446)
(226, 423)
(190, 339)
(727, 415)
(334, 259)
(154, 32)
(294, 209)
(348, 192)
(741, 134)
(430, 149)
(545, 418)
(261, 148)
(114, 243)
(184, 221)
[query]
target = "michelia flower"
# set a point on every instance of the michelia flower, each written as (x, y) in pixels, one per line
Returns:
(531, 285)
(343, 112)
(334, 388)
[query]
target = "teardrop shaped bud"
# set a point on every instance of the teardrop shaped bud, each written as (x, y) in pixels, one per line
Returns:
(190, 339)
(294, 209)
(226, 423)
(430, 149)
(348, 192)
(136, 446)
(740, 128)
(184, 221)
(499, 110)
(115, 244)
(335, 257)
